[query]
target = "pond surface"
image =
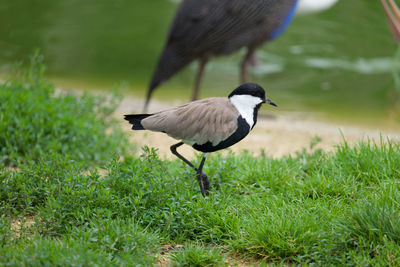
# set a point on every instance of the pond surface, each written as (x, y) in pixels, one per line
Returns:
(337, 64)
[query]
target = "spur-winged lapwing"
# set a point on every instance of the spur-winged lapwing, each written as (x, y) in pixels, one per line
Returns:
(203, 29)
(207, 125)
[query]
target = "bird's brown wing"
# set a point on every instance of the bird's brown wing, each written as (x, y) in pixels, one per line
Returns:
(207, 120)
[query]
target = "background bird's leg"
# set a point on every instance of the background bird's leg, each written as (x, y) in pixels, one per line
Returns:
(395, 9)
(197, 83)
(254, 60)
(244, 67)
(202, 177)
(393, 14)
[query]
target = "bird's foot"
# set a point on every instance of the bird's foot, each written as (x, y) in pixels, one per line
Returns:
(204, 183)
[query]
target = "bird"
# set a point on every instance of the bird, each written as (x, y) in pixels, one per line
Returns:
(393, 14)
(202, 29)
(208, 125)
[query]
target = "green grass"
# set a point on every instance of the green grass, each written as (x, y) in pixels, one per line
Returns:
(197, 255)
(324, 208)
(112, 242)
(36, 119)
(337, 208)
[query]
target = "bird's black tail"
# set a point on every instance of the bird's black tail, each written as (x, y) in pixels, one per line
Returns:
(136, 120)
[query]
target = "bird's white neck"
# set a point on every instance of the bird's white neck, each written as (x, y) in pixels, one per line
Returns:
(246, 104)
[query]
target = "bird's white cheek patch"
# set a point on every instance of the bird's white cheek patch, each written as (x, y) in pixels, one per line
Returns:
(245, 104)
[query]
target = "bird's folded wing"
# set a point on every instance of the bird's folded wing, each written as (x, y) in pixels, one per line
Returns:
(207, 120)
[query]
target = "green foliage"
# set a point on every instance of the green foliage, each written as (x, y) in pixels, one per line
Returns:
(28, 188)
(283, 230)
(5, 230)
(101, 244)
(375, 220)
(197, 256)
(324, 208)
(36, 119)
(338, 208)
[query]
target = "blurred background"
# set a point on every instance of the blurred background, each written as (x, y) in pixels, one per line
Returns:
(338, 65)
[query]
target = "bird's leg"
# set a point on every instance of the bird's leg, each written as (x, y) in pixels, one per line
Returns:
(395, 20)
(244, 67)
(173, 150)
(201, 177)
(254, 60)
(197, 83)
(393, 14)
(395, 8)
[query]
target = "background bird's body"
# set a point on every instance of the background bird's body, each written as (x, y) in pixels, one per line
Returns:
(205, 28)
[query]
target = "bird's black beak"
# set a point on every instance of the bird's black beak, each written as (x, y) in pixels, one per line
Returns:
(269, 101)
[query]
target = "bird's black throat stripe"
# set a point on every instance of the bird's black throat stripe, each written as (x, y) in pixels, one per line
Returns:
(255, 114)
(241, 132)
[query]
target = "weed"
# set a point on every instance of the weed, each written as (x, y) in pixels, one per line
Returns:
(376, 220)
(98, 244)
(35, 121)
(197, 255)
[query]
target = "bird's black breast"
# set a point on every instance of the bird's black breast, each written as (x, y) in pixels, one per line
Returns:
(241, 132)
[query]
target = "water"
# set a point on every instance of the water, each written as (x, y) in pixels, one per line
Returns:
(338, 64)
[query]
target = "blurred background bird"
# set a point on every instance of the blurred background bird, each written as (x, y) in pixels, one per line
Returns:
(207, 28)
(312, 6)
(310, 67)
(202, 29)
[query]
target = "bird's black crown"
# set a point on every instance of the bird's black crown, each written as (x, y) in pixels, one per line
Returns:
(252, 89)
